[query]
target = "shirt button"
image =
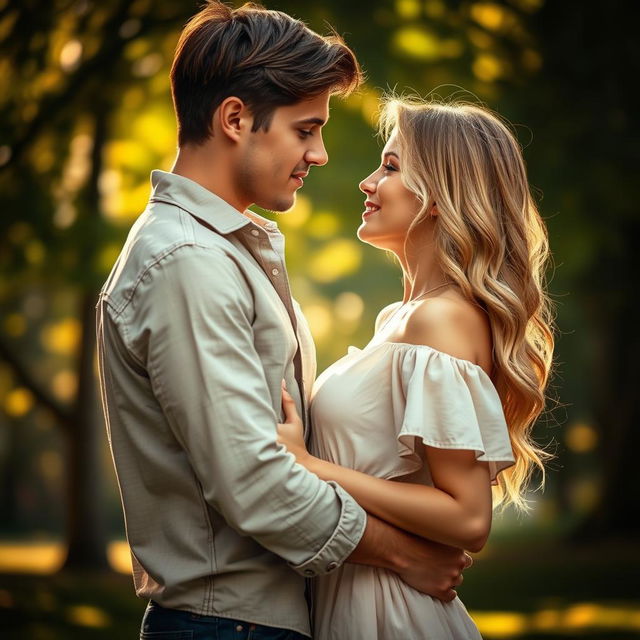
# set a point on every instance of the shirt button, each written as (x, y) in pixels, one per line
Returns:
(239, 627)
(275, 272)
(309, 572)
(331, 566)
(255, 232)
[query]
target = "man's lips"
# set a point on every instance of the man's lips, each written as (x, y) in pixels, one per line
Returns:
(299, 176)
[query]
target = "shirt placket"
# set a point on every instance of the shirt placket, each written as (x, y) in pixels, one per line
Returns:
(267, 247)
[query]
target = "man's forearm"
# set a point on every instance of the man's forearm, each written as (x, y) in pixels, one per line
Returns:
(430, 567)
(380, 546)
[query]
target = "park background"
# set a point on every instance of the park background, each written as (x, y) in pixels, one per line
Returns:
(86, 114)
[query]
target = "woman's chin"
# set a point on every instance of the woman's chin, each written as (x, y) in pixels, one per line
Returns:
(365, 235)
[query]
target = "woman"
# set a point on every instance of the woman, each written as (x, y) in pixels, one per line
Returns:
(418, 424)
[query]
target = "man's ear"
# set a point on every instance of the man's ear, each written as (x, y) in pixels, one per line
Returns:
(233, 118)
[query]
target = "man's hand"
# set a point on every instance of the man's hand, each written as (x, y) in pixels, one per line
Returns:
(433, 568)
(290, 433)
(430, 567)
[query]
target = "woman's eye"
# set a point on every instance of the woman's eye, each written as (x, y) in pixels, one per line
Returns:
(389, 167)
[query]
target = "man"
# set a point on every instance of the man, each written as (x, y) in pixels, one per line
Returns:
(196, 330)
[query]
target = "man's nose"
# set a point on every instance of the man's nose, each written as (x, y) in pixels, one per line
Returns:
(317, 155)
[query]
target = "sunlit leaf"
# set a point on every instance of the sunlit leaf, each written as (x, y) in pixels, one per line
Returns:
(64, 384)
(335, 260)
(320, 321)
(298, 216)
(70, 55)
(61, 337)
(487, 67)
(18, 402)
(31, 558)
(88, 616)
(501, 624)
(488, 14)
(408, 9)
(581, 437)
(323, 224)
(349, 307)
(147, 65)
(155, 128)
(107, 257)
(417, 42)
(119, 556)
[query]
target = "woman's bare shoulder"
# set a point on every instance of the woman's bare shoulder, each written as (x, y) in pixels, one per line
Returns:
(451, 324)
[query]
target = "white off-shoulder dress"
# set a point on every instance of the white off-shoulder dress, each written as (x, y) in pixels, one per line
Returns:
(370, 411)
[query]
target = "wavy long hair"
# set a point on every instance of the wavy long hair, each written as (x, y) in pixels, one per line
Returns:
(492, 242)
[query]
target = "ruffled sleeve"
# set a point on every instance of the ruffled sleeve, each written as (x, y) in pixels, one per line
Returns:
(447, 403)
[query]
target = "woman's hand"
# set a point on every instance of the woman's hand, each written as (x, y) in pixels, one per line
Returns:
(290, 434)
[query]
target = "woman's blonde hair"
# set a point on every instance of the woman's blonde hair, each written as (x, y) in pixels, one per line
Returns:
(491, 241)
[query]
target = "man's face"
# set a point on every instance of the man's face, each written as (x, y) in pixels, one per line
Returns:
(274, 162)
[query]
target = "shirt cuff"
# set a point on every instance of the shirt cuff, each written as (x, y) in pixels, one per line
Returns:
(343, 540)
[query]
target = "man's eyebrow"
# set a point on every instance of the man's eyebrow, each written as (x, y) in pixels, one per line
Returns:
(319, 121)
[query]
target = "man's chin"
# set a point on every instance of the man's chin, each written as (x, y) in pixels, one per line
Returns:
(278, 205)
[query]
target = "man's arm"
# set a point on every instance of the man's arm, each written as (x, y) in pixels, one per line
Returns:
(193, 322)
(429, 567)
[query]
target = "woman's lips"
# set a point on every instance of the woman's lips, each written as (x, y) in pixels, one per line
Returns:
(370, 209)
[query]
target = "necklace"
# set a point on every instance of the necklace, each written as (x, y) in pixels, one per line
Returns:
(422, 295)
(404, 304)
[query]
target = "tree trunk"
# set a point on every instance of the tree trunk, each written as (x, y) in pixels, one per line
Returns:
(86, 531)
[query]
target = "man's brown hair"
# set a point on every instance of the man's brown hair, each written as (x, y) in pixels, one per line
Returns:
(266, 58)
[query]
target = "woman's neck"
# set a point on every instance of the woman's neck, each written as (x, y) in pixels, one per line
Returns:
(420, 270)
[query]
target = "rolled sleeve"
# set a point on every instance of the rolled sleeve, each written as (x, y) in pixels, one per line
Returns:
(342, 542)
(194, 333)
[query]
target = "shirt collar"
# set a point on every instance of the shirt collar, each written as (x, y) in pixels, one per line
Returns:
(200, 202)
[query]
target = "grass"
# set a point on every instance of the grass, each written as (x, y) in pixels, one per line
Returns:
(528, 590)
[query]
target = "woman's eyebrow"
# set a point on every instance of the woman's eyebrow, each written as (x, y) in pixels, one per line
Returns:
(391, 153)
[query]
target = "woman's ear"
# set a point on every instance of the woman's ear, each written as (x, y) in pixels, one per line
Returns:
(433, 212)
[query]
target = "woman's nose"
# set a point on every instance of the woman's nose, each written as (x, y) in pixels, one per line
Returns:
(368, 185)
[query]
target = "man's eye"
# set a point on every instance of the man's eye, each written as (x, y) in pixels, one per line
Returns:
(304, 134)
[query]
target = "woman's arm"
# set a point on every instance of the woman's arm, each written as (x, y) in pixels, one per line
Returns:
(457, 512)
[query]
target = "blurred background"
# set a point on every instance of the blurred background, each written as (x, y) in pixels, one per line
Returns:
(86, 114)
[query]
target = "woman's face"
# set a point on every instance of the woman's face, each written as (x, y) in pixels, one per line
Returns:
(390, 207)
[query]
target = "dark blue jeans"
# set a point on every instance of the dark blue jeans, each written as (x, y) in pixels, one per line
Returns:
(159, 623)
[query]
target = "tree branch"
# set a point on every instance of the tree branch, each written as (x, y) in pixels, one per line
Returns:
(110, 51)
(42, 396)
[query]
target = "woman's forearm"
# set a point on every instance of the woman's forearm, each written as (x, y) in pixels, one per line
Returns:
(423, 510)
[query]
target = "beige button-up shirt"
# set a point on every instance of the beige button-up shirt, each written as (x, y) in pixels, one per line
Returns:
(196, 330)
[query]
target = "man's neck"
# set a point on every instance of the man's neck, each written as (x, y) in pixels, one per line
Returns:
(202, 165)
